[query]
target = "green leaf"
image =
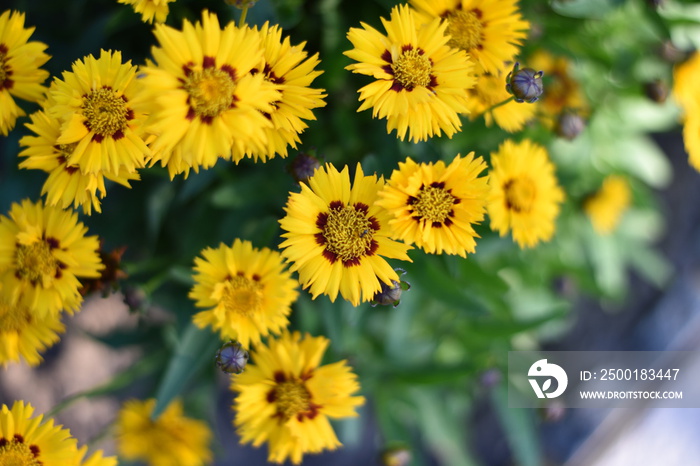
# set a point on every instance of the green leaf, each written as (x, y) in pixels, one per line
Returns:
(499, 329)
(196, 348)
(585, 8)
(519, 426)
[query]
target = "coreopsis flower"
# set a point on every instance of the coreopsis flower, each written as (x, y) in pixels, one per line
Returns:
(94, 103)
(336, 235)
(43, 253)
(20, 73)
(23, 334)
(203, 99)
(434, 206)
(490, 31)
(420, 82)
(247, 291)
(487, 99)
(150, 9)
(606, 207)
(30, 440)
(687, 95)
(562, 91)
(525, 195)
(287, 397)
(172, 439)
(66, 185)
(291, 71)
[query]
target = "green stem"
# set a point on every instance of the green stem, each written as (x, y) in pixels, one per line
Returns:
(241, 22)
(500, 104)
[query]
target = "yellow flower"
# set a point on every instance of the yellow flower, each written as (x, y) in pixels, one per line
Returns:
(490, 91)
(286, 397)
(24, 334)
(66, 184)
(686, 92)
(287, 67)
(336, 234)
(26, 440)
(685, 88)
(247, 290)
(434, 206)
(561, 90)
(94, 105)
(150, 9)
(525, 196)
(420, 82)
(43, 252)
(202, 98)
(605, 207)
(20, 73)
(490, 31)
(170, 440)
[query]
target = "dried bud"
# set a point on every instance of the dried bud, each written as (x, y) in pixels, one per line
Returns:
(303, 166)
(524, 84)
(242, 3)
(231, 357)
(110, 275)
(570, 124)
(396, 456)
(671, 53)
(657, 91)
(391, 294)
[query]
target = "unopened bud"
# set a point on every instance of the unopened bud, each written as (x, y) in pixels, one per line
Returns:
(569, 125)
(657, 91)
(524, 84)
(231, 357)
(391, 294)
(303, 166)
(396, 456)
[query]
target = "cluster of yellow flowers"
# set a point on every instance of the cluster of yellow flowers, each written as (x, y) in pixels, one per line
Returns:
(236, 91)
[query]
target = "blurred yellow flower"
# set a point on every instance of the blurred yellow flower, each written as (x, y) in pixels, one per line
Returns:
(286, 397)
(686, 93)
(172, 439)
(606, 207)
(20, 73)
(561, 90)
(247, 291)
(291, 71)
(420, 82)
(525, 195)
(490, 91)
(434, 206)
(150, 9)
(203, 99)
(43, 252)
(336, 235)
(490, 31)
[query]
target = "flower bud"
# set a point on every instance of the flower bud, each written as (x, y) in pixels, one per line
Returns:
(656, 90)
(303, 166)
(396, 456)
(231, 357)
(569, 124)
(524, 84)
(391, 294)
